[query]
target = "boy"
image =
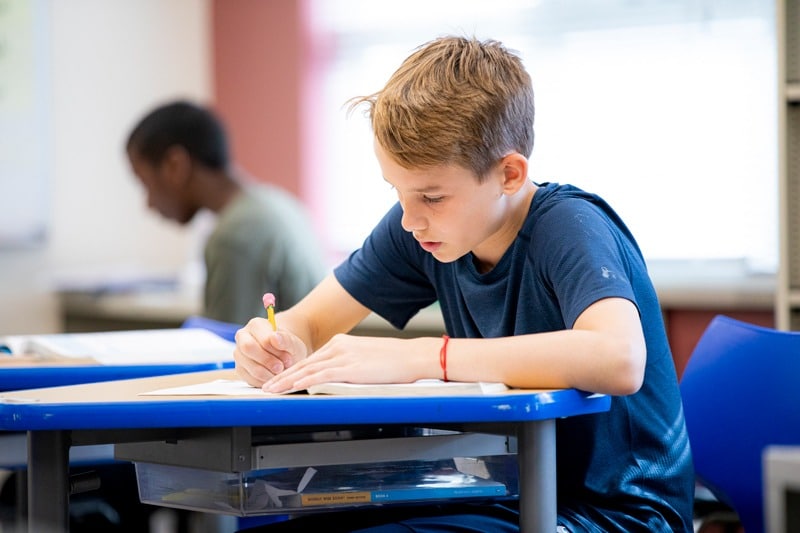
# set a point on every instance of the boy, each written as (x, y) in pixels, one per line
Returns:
(263, 240)
(540, 286)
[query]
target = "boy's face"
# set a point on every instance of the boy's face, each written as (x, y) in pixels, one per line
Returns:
(449, 212)
(162, 193)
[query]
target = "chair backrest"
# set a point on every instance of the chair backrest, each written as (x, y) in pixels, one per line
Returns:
(741, 393)
(226, 330)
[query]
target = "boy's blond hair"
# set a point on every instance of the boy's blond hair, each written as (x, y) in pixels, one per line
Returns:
(455, 100)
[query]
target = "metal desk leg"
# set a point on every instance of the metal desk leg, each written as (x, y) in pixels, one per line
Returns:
(537, 477)
(48, 481)
(21, 509)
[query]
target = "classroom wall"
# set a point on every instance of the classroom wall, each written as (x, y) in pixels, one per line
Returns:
(266, 66)
(109, 61)
(257, 55)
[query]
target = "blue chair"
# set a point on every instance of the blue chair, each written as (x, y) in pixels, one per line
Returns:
(226, 330)
(741, 393)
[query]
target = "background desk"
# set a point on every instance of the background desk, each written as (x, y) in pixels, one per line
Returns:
(112, 412)
(34, 375)
(17, 373)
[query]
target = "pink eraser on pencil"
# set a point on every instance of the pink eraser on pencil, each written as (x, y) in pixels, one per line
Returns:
(269, 299)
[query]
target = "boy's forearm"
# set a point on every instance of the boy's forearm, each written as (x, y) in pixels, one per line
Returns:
(570, 358)
(327, 310)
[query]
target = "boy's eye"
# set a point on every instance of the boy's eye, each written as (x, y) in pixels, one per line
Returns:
(433, 199)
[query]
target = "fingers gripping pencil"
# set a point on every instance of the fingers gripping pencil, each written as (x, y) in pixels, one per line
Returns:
(269, 305)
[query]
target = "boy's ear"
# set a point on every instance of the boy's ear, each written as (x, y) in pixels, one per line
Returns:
(515, 172)
(177, 165)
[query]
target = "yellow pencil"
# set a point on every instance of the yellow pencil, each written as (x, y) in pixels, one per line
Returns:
(269, 305)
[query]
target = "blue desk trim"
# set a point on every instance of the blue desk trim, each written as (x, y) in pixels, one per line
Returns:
(297, 410)
(40, 376)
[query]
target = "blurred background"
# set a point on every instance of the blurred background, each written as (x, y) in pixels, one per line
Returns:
(667, 109)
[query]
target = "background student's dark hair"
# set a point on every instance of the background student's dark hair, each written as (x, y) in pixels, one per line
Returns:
(198, 130)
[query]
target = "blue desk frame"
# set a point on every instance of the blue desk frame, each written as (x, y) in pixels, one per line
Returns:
(112, 412)
(43, 374)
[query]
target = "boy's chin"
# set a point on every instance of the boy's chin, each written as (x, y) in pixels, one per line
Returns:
(444, 257)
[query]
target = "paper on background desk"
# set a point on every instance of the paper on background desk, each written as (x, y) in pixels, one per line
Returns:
(134, 347)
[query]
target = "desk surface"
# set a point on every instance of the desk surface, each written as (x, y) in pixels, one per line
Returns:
(116, 405)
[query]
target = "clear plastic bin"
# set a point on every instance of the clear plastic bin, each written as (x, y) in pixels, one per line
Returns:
(298, 489)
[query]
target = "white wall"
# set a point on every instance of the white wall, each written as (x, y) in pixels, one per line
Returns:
(110, 62)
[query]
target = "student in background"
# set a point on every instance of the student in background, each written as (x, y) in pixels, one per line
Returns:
(540, 285)
(263, 240)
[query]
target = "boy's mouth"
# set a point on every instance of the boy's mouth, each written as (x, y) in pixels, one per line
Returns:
(430, 246)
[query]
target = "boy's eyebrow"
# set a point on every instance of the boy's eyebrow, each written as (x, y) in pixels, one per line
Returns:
(429, 189)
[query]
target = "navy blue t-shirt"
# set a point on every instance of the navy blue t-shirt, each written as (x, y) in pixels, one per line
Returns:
(628, 469)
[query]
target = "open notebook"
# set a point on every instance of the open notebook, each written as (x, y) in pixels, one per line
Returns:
(423, 387)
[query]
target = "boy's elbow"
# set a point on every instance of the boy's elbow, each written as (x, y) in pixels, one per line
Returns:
(629, 385)
(629, 374)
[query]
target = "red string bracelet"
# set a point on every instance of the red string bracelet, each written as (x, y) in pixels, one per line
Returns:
(443, 356)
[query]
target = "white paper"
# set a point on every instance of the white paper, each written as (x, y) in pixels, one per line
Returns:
(219, 387)
(228, 387)
(135, 347)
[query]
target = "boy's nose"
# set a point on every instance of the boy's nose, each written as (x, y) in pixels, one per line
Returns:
(412, 222)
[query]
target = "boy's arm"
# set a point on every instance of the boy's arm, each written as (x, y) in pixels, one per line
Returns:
(327, 310)
(604, 352)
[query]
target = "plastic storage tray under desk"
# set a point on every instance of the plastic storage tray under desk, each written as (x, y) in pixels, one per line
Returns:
(312, 476)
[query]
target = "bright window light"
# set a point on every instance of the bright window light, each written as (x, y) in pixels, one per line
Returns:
(666, 109)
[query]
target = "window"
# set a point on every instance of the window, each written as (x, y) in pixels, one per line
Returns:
(667, 109)
(24, 123)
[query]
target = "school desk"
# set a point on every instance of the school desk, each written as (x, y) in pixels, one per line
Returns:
(114, 412)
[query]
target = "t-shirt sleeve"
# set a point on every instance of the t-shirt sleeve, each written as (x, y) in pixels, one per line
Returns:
(389, 274)
(584, 257)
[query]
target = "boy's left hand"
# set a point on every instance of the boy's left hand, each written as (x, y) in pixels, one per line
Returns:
(354, 359)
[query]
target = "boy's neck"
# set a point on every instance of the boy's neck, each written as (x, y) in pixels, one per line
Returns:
(217, 189)
(487, 257)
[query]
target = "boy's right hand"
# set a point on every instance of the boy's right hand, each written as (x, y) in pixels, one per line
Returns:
(261, 353)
